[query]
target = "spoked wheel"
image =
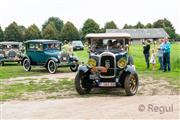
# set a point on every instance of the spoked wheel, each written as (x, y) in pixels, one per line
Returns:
(26, 64)
(131, 84)
(74, 67)
(52, 67)
(82, 84)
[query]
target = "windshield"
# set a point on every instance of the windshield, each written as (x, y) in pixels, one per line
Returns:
(52, 46)
(77, 43)
(119, 44)
(13, 46)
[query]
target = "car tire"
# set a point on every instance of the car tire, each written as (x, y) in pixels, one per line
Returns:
(26, 64)
(52, 66)
(131, 84)
(81, 84)
(74, 68)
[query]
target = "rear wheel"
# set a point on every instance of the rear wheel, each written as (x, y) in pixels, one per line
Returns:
(51, 66)
(26, 64)
(82, 84)
(131, 84)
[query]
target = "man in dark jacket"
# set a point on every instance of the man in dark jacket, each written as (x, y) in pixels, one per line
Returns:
(146, 48)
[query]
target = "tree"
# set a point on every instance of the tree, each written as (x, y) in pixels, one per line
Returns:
(139, 25)
(90, 26)
(32, 32)
(167, 25)
(12, 32)
(22, 30)
(50, 32)
(126, 26)
(1, 34)
(110, 25)
(149, 25)
(58, 25)
(70, 32)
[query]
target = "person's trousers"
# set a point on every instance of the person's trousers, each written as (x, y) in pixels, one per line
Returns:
(161, 62)
(147, 59)
(166, 61)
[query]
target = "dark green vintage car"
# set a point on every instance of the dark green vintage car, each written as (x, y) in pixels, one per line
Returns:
(109, 64)
(47, 53)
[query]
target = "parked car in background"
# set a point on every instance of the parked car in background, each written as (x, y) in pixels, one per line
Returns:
(10, 51)
(47, 53)
(109, 64)
(77, 45)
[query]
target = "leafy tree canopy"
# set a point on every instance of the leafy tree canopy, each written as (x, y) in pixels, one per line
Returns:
(12, 33)
(57, 22)
(32, 32)
(70, 32)
(50, 32)
(110, 25)
(1, 34)
(167, 25)
(90, 26)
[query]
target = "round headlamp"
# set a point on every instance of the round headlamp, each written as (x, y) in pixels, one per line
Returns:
(122, 63)
(91, 63)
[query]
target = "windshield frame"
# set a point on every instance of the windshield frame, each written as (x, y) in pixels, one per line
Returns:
(124, 42)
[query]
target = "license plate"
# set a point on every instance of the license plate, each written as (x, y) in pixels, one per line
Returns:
(64, 58)
(107, 84)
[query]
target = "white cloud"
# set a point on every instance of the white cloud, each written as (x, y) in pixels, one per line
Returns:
(27, 12)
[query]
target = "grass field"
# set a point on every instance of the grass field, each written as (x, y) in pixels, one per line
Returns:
(13, 70)
(16, 90)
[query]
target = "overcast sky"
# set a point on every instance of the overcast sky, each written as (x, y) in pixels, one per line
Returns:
(27, 12)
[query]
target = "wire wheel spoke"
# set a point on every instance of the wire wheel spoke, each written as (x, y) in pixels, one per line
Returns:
(133, 84)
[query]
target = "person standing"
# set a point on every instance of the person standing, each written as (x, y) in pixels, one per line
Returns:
(146, 48)
(153, 59)
(160, 54)
(166, 55)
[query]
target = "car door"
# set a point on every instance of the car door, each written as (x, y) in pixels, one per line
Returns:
(36, 54)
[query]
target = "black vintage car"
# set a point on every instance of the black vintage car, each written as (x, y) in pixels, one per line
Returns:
(109, 64)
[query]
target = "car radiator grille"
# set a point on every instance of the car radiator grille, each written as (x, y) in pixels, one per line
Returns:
(105, 60)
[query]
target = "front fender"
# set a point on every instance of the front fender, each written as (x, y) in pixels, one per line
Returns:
(130, 69)
(53, 58)
(24, 56)
(83, 69)
(73, 58)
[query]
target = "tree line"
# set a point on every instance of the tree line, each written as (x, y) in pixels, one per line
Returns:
(54, 28)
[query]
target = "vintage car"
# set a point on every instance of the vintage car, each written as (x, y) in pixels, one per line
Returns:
(47, 53)
(10, 51)
(109, 64)
(77, 45)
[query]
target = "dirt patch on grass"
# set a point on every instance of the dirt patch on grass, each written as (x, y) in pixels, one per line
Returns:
(62, 86)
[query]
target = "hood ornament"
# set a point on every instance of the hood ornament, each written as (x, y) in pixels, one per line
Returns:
(107, 64)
